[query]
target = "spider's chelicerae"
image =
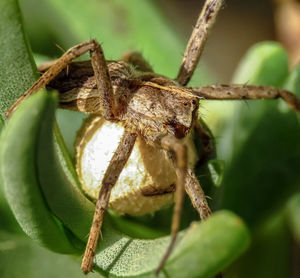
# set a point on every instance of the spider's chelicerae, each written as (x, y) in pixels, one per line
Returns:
(152, 108)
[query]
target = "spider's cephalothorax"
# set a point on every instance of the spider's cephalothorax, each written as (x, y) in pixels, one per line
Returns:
(156, 109)
(147, 103)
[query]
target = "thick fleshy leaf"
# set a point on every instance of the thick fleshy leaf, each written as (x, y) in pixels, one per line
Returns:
(293, 216)
(17, 72)
(17, 69)
(119, 26)
(139, 257)
(202, 251)
(126, 263)
(293, 84)
(57, 177)
(266, 63)
(264, 145)
(270, 252)
(19, 176)
(21, 257)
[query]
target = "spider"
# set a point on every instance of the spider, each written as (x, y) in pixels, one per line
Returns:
(154, 108)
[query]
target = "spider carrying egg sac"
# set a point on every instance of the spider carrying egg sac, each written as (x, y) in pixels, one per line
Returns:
(148, 179)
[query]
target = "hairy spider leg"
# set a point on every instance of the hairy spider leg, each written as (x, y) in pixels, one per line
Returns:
(196, 194)
(198, 39)
(99, 66)
(170, 143)
(240, 92)
(136, 59)
(189, 182)
(111, 176)
(186, 181)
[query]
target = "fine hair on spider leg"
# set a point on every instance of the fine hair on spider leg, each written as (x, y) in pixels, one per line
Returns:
(99, 67)
(112, 174)
(244, 92)
(151, 107)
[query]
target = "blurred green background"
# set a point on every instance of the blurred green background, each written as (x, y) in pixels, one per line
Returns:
(259, 142)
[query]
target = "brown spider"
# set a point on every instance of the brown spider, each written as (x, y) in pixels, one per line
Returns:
(155, 108)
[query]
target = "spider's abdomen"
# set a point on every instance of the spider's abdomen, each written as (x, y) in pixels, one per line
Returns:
(146, 183)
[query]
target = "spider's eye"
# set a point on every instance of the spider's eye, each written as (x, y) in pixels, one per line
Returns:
(194, 102)
(185, 103)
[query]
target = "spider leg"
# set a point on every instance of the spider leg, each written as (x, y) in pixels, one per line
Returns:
(143, 68)
(111, 176)
(198, 39)
(192, 186)
(44, 66)
(99, 67)
(198, 199)
(237, 92)
(172, 144)
(136, 59)
(186, 180)
(196, 194)
(150, 191)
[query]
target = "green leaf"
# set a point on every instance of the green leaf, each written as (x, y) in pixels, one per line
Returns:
(293, 208)
(292, 83)
(118, 255)
(19, 176)
(206, 248)
(216, 169)
(266, 63)
(293, 216)
(16, 75)
(57, 177)
(17, 71)
(119, 25)
(20, 257)
(270, 251)
(264, 142)
(138, 257)
(209, 247)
